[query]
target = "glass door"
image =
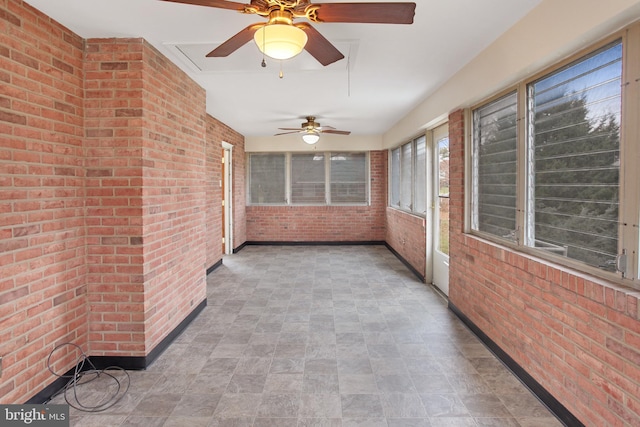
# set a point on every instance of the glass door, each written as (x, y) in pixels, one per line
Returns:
(440, 203)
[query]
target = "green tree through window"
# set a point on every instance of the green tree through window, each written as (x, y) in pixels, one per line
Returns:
(575, 159)
(495, 167)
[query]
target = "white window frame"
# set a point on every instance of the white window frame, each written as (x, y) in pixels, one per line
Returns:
(327, 176)
(367, 178)
(414, 185)
(249, 180)
(475, 178)
(629, 207)
(289, 183)
(391, 187)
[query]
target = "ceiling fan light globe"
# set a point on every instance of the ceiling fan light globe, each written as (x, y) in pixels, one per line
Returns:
(311, 137)
(280, 41)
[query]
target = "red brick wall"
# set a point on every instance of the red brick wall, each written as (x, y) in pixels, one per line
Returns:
(239, 188)
(578, 336)
(145, 134)
(42, 230)
(174, 195)
(102, 202)
(214, 194)
(324, 223)
(113, 143)
(218, 132)
(406, 234)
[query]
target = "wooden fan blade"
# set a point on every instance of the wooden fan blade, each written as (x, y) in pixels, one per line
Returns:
(319, 47)
(338, 132)
(220, 4)
(297, 129)
(367, 13)
(235, 42)
(286, 133)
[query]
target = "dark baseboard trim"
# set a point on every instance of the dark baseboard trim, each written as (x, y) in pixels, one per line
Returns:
(239, 248)
(327, 243)
(405, 262)
(214, 266)
(558, 409)
(51, 390)
(142, 362)
(125, 362)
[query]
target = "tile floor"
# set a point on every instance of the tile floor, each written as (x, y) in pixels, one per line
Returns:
(321, 336)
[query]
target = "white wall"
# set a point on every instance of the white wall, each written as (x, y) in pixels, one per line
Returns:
(552, 31)
(328, 142)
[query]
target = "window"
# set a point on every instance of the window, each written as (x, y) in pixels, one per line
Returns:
(406, 177)
(444, 195)
(409, 176)
(420, 181)
(559, 163)
(394, 197)
(267, 178)
(308, 178)
(348, 178)
(574, 157)
(494, 167)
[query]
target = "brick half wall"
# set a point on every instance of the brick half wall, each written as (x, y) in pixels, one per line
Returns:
(406, 235)
(576, 335)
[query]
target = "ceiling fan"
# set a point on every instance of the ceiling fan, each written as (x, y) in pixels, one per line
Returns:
(311, 130)
(280, 38)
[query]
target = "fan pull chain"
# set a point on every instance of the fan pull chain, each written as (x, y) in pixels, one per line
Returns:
(281, 75)
(264, 63)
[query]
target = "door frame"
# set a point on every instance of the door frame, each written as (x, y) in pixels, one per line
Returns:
(428, 228)
(433, 136)
(227, 192)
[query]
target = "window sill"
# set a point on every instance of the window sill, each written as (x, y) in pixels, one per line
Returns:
(417, 215)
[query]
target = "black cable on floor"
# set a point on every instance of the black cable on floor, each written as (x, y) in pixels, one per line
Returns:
(83, 376)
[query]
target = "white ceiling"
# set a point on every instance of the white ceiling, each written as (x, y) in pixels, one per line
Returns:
(387, 71)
